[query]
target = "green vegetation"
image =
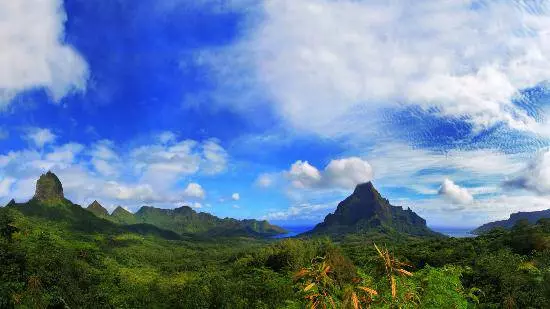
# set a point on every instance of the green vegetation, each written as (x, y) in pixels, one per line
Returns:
(51, 259)
(55, 254)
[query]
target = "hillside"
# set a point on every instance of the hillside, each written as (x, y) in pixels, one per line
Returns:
(366, 210)
(185, 220)
(532, 217)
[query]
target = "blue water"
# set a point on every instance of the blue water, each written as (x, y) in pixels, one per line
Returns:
(293, 231)
(457, 232)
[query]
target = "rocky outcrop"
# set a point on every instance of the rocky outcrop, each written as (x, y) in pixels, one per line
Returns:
(48, 187)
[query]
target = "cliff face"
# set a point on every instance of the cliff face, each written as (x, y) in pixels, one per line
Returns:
(48, 187)
(367, 210)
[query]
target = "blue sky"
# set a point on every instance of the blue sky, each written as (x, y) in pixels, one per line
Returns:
(277, 109)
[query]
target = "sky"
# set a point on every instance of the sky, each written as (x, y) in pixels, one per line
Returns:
(277, 109)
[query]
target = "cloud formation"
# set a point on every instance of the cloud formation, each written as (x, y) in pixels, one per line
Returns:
(452, 58)
(343, 173)
(40, 137)
(149, 173)
(535, 176)
(455, 193)
(194, 190)
(34, 53)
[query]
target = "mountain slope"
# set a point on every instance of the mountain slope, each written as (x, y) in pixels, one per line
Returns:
(184, 220)
(97, 209)
(532, 217)
(50, 205)
(366, 210)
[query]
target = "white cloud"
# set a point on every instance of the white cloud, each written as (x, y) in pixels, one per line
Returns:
(536, 175)
(5, 186)
(348, 172)
(34, 53)
(455, 193)
(215, 156)
(194, 190)
(40, 136)
(453, 58)
(114, 175)
(343, 173)
(303, 175)
(235, 196)
(104, 158)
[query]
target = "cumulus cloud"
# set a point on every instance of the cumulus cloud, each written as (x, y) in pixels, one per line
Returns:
(110, 173)
(348, 172)
(452, 58)
(40, 136)
(455, 193)
(235, 196)
(304, 175)
(34, 54)
(535, 176)
(343, 173)
(194, 190)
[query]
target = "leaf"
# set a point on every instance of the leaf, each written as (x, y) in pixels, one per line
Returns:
(393, 287)
(309, 287)
(368, 290)
(404, 272)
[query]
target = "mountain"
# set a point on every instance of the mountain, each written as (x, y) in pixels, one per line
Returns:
(532, 217)
(48, 188)
(185, 220)
(366, 210)
(122, 216)
(97, 209)
(49, 205)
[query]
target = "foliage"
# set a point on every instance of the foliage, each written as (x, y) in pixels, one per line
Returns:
(56, 255)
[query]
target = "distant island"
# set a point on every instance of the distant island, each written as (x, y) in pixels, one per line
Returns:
(531, 217)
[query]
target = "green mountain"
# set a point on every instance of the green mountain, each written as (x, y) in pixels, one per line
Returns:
(98, 210)
(184, 220)
(367, 211)
(122, 216)
(50, 205)
(532, 217)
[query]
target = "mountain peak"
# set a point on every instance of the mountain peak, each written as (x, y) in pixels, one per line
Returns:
(97, 209)
(48, 187)
(366, 209)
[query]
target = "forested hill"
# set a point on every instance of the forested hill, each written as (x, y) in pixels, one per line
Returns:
(365, 211)
(55, 254)
(531, 217)
(185, 220)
